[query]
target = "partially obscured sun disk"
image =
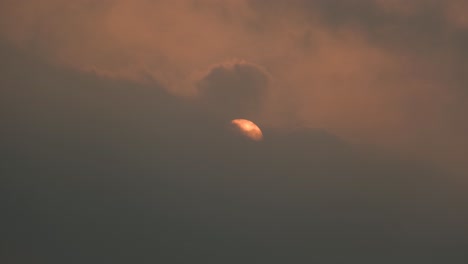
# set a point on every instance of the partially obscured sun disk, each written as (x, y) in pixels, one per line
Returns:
(248, 129)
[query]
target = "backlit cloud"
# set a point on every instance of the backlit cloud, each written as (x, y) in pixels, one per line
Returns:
(385, 72)
(234, 89)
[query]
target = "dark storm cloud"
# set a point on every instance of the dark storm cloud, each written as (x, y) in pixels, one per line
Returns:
(234, 89)
(103, 161)
(103, 170)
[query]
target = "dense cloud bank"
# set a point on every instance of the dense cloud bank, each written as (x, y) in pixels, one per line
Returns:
(99, 170)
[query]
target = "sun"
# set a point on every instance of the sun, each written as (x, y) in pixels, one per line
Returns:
(248, 129)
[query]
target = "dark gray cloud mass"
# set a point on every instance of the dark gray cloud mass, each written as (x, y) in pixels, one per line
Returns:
(106, 157)
(99, 171)
(234, 90)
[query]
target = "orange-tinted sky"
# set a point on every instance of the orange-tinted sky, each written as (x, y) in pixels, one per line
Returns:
(372, 71)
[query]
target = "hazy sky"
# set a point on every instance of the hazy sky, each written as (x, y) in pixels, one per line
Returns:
(115, 147)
